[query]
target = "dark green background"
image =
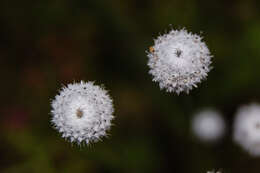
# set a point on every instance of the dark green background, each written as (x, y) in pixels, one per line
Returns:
(47, 43)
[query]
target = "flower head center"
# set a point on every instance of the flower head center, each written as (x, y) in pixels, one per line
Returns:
(79, 113)
(178, 53)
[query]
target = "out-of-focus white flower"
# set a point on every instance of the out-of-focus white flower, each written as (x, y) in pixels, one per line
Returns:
(208, 125)
(213, 172)
(179, 60)
(82, 112)
(247, 128)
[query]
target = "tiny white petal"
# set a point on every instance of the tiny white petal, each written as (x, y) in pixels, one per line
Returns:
(208, 125)
(179, 60)
(82, 112)
(247, 128)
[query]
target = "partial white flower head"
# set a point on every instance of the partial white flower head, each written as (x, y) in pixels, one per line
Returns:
(179, 60)
(208, 125)
(82, 112)
(213, 172)
(247, 128)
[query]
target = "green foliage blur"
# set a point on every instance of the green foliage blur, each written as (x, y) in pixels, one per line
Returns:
(46, 44)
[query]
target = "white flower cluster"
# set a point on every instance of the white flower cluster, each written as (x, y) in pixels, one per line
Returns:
(179, 60)
(208, 125)
(82, 112)
(247, 128)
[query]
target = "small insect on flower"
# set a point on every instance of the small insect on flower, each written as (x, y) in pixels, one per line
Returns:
(179, 60)
(247, 128)
(208, 125)
(82, 112)
(151, 49)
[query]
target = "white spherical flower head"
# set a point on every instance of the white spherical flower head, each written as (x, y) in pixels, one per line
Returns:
(247, 128)
(82, 112)
(179, 60)
(208, 125)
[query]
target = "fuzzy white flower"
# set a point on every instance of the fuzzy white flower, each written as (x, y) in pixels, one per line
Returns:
(208, 125)
(247, 128)
(213, 172)
(179, 60)
(82, 112)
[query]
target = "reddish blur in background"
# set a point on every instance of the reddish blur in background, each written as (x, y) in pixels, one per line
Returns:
(45, 44)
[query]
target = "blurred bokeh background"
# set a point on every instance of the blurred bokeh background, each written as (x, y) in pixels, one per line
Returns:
(44, 44)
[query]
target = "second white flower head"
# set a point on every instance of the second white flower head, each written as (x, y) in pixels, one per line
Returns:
(179, 60)
(82, 112)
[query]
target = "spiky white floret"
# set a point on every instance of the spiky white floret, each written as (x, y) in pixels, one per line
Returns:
(208, 125)
(179, 60)
(82, 112)
(247, 128)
